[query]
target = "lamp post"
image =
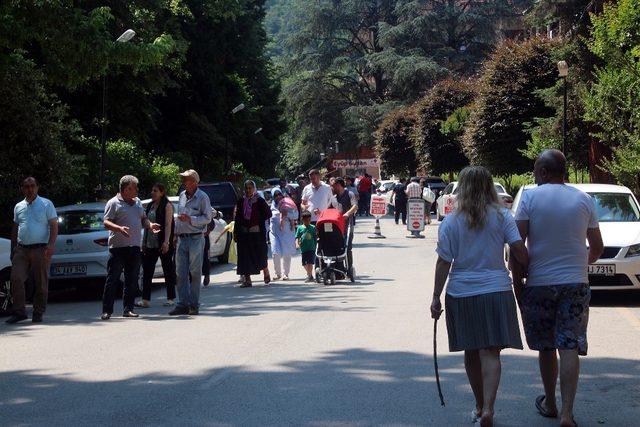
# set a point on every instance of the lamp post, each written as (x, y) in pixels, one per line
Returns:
(124, 37)
(563, 72)
(227, 158)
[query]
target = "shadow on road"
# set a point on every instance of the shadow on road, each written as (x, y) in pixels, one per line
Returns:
(615, 298)
(351, 387)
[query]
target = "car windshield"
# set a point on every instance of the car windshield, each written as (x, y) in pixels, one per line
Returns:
(220, 195)
(616, 207)
(77, 222)
(388, 186)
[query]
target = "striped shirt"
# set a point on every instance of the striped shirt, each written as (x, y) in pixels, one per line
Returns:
(414, 191)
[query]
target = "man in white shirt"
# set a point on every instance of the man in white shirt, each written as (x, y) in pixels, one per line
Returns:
(555, 219)
(414, 191)
(316, 196)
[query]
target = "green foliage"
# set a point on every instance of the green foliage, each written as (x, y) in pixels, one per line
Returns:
(613, 103)
(507, 105)
(437, 151)
(393, 143)
(347, 63)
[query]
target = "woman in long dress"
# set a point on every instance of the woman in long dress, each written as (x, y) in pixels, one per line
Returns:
(282, 234)
(252, 213)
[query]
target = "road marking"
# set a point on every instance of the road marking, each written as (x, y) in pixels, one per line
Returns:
(628, 314)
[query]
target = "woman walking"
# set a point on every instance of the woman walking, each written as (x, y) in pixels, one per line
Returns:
(480, 306)
(160, 245)
(282, 234)
(252, 213)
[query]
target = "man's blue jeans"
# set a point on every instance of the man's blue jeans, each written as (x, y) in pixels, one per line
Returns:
(189, 263)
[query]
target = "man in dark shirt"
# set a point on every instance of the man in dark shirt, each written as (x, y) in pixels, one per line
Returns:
(399, 199)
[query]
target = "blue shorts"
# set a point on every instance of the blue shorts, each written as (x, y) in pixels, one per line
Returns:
(556, 317)
(308, 258)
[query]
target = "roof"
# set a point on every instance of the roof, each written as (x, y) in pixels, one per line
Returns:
(593, 188)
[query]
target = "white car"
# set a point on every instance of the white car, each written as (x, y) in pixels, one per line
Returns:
(81, 250)
(619, 215)
(5, 274)
(446, 203)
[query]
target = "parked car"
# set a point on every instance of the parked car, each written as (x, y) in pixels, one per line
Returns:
(220, 250)
(223, 197)
(619, 215)
(447, 201)
(5, 276)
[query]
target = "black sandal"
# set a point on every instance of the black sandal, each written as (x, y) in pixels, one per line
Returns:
(267, 279)
(541, 409)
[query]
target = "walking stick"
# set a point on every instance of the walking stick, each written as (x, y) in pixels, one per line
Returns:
(435, 359)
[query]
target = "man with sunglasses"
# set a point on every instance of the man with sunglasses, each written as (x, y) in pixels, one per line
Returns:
(33, 237)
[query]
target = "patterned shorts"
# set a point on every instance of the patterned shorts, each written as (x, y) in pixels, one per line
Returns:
(556, 317)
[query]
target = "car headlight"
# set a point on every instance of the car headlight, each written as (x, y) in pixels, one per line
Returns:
(634, 250)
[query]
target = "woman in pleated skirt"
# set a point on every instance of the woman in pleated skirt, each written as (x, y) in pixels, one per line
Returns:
(479, 304)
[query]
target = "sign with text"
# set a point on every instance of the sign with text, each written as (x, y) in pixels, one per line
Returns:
(356, 163)
(415, 215)
(378, 206)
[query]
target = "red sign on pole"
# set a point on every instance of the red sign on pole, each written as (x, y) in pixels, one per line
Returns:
(378, 206)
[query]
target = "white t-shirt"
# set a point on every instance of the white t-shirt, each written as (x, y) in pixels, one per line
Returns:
(559, 216)
(317, 198)
(477, 256)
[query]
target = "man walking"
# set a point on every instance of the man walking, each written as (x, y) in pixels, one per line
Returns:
(414, 191)
(345, 201)
(555, 219)
(316, 196)
(194, 214)
(33, 238)
(399, 201)
(365, 187)
(124, 217)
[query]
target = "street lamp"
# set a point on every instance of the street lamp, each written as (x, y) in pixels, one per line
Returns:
(563, 72)
(227, 160)
(124, 37)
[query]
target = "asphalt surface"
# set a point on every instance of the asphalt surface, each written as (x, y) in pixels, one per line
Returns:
(295, 354)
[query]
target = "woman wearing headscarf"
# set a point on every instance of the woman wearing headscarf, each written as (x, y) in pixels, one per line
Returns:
(479, 305)
(282, 232)
(252, 213)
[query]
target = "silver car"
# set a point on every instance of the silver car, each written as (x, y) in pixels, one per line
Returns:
(81, 250)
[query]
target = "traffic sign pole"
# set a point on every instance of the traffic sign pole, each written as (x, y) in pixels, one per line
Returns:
(378, 209)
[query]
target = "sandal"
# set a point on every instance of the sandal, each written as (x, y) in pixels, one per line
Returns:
(542, 410)
(267, 279)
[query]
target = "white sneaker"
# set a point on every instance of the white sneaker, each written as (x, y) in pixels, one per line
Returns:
(285, 277)
(169, 303)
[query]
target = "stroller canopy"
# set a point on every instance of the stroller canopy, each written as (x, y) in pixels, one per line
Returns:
(332, 216)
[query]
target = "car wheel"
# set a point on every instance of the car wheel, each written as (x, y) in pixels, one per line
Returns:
(5, 292)
(224, 258)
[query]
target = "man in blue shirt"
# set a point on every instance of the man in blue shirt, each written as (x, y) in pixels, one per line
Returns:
(33, 237)
(194, 214)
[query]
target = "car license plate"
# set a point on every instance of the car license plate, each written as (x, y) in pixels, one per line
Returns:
(602, 269)
(69, 270)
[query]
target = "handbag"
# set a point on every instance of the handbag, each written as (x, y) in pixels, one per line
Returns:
(428, 195)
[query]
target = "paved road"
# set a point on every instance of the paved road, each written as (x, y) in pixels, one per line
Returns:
(294, 354)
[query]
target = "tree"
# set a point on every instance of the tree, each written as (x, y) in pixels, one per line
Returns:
(507, 105)
(393, 143)
(613, 103)
(373, 56)
(437, 151)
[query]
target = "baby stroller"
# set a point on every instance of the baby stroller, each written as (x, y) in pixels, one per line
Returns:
(331, 253)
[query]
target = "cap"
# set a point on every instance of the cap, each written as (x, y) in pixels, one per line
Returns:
(193, 174)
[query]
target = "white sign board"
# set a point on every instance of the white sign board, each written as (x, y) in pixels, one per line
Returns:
(378, 206)
(356, 163)
(415, 215)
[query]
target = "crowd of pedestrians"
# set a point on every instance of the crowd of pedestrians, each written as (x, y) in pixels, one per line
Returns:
(548, 274)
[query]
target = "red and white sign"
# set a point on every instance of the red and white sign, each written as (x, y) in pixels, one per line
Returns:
(415, 215)
(356, 163)
(378, 206)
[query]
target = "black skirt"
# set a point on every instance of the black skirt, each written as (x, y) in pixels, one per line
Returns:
(252, 253)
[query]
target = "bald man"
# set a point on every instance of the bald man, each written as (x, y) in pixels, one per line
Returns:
(555, 219)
